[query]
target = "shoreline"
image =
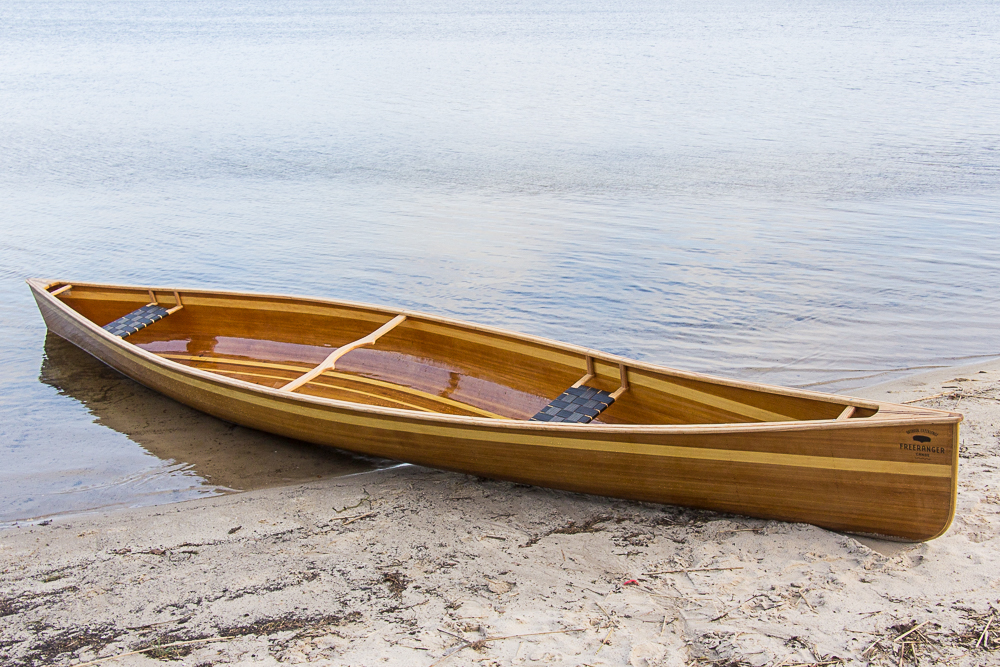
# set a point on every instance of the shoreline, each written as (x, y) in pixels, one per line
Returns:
(406, 565)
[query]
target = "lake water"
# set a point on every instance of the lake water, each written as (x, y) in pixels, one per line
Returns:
(803, 193)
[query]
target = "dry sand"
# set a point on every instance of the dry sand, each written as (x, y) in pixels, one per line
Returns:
(410, 566)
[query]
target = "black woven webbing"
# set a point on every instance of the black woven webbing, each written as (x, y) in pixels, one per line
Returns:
(577, 404)
(137, 319)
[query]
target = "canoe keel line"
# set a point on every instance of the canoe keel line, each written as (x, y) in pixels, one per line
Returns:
(458, 396)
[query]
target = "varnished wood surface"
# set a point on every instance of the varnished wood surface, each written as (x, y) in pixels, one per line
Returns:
(677, 437)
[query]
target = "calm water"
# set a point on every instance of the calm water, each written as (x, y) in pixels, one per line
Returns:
(803, 193)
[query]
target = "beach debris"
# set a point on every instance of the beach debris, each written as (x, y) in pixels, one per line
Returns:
(910, 631)
(591, 525)
(498, 586)
(927, 398)
(233, 530)
(153, 648)
(351, 519)
(605, 641)
(479, 643)
(984, 638)
(364, 499)
(396, 582)
(692, 569)
(631, 582)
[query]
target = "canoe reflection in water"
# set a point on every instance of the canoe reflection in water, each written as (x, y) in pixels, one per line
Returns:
(224, 454)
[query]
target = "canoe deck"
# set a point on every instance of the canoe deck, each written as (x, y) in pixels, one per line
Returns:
(458, 396)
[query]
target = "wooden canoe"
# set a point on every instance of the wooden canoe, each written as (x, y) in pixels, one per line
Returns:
(448, 394)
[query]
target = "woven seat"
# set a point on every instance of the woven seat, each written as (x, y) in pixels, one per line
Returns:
(136, 320)
(578, 405)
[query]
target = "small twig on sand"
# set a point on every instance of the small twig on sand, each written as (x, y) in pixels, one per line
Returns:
(910, 631)
(351, 519)
(807, 603)
(364, 499)
(864, 654)
(484, 640)
(666, 623)
(178, 621)
(153, 648)
(927, 398)
(605, 640)
(927, 640)
(693, 569)
(984, 638)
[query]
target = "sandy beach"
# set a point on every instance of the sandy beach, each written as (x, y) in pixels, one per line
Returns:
(410, 566)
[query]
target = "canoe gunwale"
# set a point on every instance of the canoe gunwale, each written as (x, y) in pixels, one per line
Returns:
(918, 416)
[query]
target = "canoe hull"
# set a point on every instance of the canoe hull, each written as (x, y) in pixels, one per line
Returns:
(857, 476)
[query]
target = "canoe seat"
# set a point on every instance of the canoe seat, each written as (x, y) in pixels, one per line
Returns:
(577, 404)
(139, 318)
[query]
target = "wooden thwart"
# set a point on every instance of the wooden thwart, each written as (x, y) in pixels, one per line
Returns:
(847, 413)
(331, 361)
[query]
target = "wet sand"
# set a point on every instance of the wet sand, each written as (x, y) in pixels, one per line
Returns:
(419, 567)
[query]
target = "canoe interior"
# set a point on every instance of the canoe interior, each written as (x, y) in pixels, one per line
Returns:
(424, 364)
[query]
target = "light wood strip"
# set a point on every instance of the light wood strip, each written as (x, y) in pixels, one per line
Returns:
(61, 290)
(236, 362)
(703, 397)
(589, 375)
(847, 413)
(416, 392)
(409, 406)
(623, 369)
(537, 437)
(177, 304)
(330, 361)
(766, 458)
(344, 376)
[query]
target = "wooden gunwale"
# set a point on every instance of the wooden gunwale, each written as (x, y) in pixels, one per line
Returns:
(913, 416)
